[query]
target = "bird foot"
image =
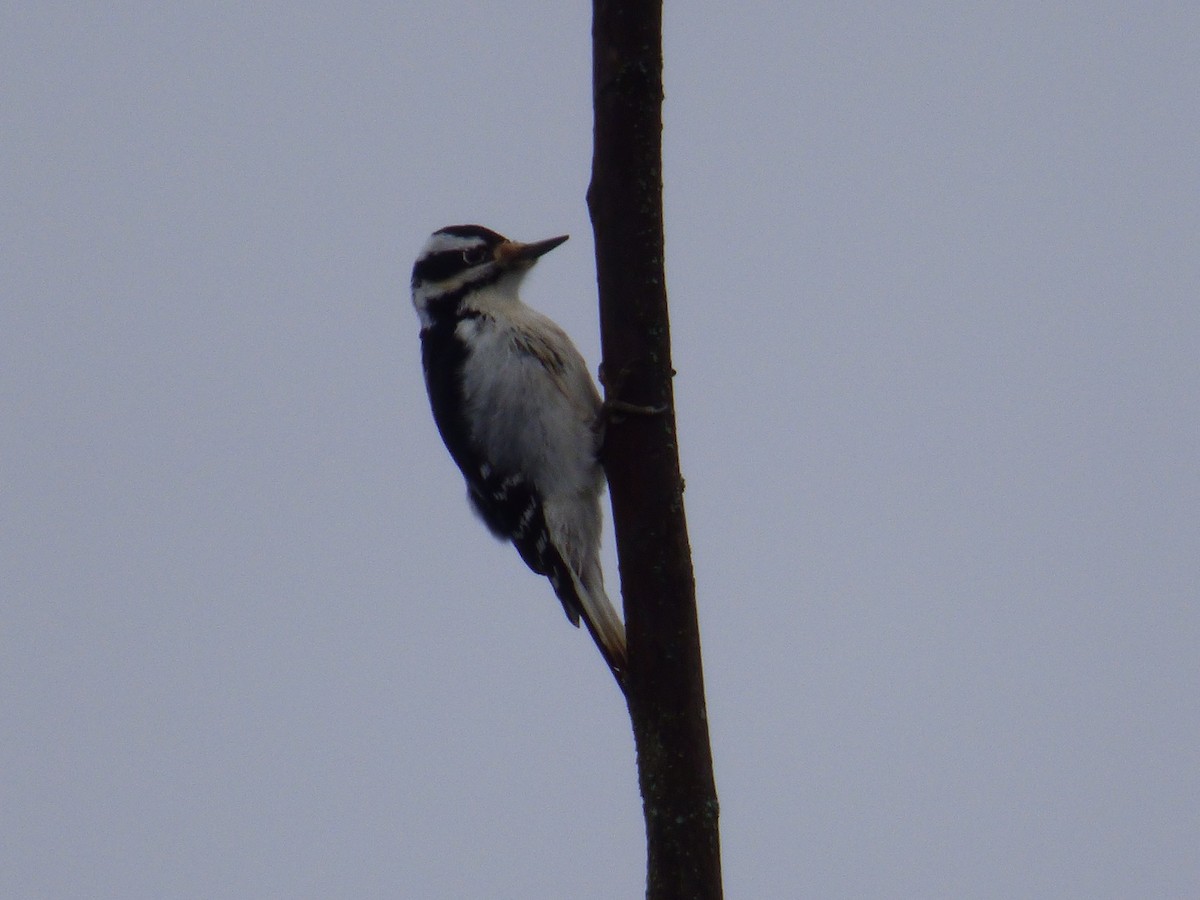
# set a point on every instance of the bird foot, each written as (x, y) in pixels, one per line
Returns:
(614, 406)
(620, 407)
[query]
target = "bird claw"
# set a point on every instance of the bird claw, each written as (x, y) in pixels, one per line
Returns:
(614, 407)
(620, 407)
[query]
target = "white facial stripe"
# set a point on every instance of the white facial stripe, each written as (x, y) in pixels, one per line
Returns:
(442, 242)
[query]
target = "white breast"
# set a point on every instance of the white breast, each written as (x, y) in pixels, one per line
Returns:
(531, 402)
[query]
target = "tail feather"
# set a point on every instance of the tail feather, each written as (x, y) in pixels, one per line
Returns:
(560, 539)
(606, 627)
(590, 602)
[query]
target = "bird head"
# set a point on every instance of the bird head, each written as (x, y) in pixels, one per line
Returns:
(459, 260)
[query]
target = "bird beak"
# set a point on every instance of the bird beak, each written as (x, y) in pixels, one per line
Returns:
(514, 253)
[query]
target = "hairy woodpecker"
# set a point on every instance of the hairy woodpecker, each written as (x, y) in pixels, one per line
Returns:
(519, 413)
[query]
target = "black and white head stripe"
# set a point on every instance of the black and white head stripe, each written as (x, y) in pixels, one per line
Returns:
(453, 250)
(471, 232)
(451, 277)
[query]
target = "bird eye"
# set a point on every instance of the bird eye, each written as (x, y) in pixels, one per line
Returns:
(472, 256)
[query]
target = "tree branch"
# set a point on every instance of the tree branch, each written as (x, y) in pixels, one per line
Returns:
(665, 683)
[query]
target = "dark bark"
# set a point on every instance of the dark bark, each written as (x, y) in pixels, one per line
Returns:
(665, 684)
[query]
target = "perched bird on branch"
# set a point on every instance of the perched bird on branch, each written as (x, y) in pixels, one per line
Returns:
(518, 411)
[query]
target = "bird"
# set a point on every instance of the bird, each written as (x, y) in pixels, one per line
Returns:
(517, 409)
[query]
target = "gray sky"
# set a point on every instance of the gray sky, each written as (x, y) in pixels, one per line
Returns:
(934, 272)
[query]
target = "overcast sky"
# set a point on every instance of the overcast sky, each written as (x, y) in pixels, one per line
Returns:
(934, 272)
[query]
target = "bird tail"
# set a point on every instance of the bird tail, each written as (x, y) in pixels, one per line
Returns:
(602, 621)
(568, 552)
(584, 597)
